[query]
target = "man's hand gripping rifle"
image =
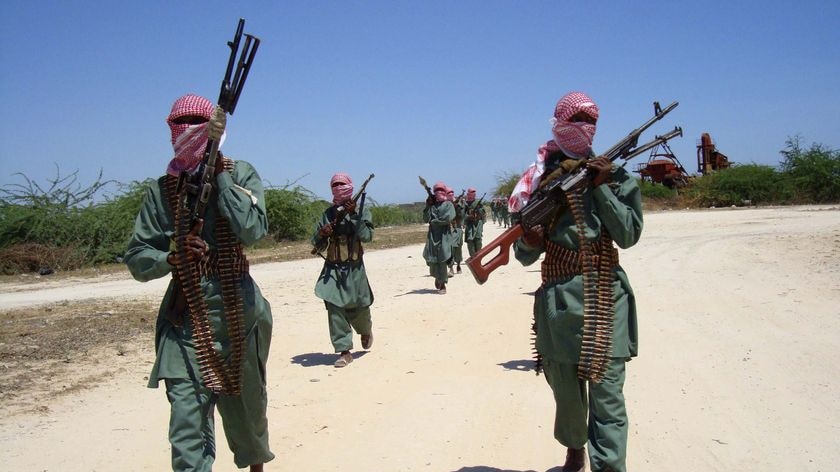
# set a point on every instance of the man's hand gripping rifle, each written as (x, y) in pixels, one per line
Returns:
(340, 213)
(475, 213)
(202, 182)
(549, 198)
(430, 199)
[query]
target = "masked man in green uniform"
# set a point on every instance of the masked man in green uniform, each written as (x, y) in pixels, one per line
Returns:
(457, 233)
(438, 213)
(607, 210)
(214, 327)
(474, 216)
(343, 282)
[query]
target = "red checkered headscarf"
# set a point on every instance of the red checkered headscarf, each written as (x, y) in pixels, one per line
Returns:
(439, 189)
(470, 194)
(574, 139)
(342, 188)
(188, 141)
(450, 194)
(530, 178)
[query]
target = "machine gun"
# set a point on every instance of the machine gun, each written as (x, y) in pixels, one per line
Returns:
(219, 374)
(232, 85)
(340, 213)
(546, 201)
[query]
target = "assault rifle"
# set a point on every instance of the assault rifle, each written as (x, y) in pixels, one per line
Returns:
(340, 213)
(232, 85)
(473, 215)
(546, 201)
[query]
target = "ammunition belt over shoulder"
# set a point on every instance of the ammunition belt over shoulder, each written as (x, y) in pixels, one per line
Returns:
(208, 267)
(343, 249)
(563, 263)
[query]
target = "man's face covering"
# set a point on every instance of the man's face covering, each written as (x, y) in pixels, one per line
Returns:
(188, 123)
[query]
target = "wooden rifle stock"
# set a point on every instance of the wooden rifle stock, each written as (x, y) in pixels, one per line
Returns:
(481, 271)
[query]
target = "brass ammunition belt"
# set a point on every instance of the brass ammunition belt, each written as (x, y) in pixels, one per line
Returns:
(598, 307)
(595, 262)
(209, 268)
(340, 250)
(563, 263)
(227, 264)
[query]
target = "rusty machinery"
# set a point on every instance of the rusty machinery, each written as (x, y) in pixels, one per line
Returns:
(708, 157)
(663, 167)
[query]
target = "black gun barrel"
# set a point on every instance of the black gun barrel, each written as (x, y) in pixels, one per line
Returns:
(629, 142)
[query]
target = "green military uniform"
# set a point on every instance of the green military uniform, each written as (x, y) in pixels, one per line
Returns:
(558, 312)
(457, 235)
(474, 226)
(504, 215)
(343, 282)
(239, 200)
(438, 249)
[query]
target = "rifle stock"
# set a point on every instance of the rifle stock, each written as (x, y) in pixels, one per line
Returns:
(481, 272)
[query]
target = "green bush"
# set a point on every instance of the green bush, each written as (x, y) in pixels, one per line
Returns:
(740, 184)
(395, 215)
(656, 191)
(813, 174)
(292, 214)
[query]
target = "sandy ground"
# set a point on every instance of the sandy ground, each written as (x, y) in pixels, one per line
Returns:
(738, 365)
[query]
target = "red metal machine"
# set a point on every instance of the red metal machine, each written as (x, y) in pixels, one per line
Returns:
(664, 168)
(708, 157)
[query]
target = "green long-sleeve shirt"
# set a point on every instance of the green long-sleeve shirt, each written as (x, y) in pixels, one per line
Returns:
(558, 305)
(240, 200)
(438, 247)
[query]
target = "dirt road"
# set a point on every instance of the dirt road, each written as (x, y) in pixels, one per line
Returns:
(738, 368)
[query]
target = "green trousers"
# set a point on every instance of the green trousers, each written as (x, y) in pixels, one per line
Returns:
(440, 271)
(191, 425)
(473, 246)
(343, 321)
(600, 420)
(457, 255)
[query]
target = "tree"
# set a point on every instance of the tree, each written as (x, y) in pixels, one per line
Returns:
(814, 174)
(505, 182)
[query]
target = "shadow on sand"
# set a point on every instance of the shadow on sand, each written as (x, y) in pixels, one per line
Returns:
(419, 291)
(521, 365)
(484, 468)
(313, 359)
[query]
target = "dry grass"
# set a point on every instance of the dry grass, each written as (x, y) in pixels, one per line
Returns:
(49, 350)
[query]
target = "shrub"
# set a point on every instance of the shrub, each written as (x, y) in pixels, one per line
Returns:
(292, 213)
(60, 226)
(754, 183)
(813, 174)
(394, 215)
(656, 191)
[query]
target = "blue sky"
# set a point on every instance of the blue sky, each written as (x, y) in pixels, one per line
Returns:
(459, 91)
